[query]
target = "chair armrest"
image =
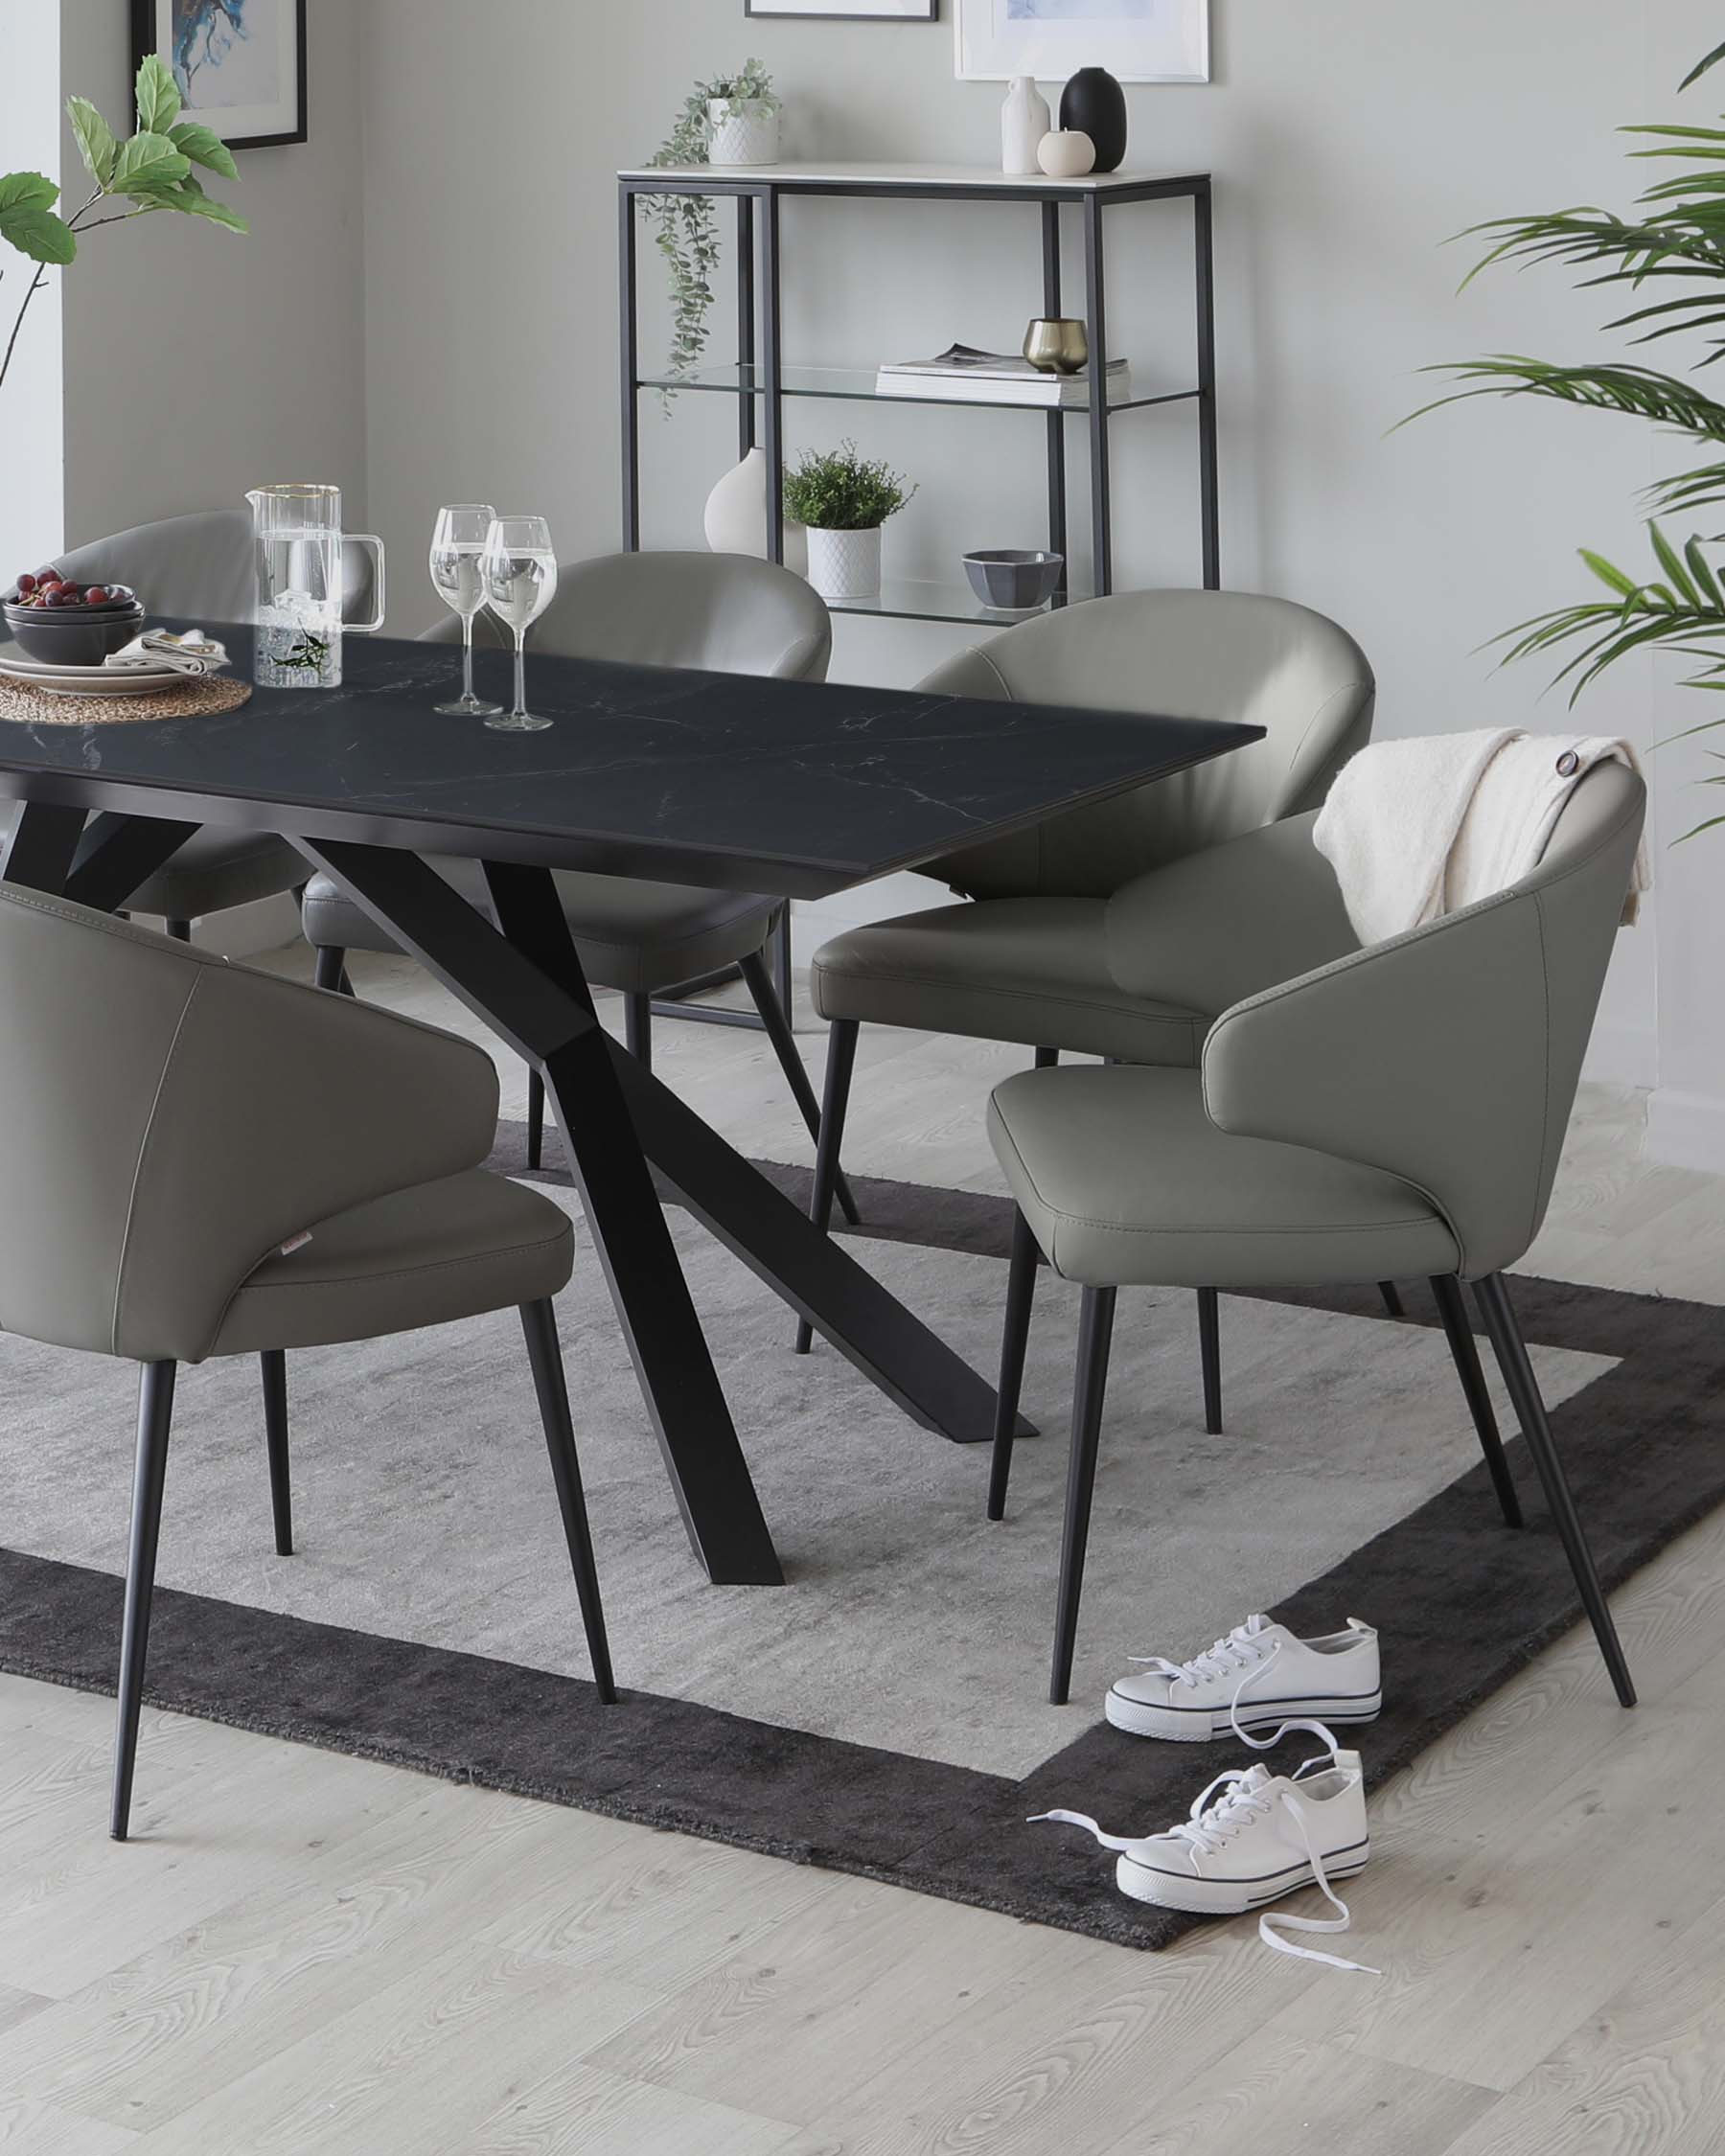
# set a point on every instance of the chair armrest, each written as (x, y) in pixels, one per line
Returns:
(277, 1107)
(1426, 1056)
(1219, 926)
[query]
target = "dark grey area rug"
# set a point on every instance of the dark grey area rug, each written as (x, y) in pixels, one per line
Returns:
(1462, 1601)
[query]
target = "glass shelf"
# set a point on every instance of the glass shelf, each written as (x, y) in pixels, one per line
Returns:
(912, 599)
(860, 382)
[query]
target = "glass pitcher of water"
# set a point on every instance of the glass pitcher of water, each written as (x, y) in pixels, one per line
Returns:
(299, 548)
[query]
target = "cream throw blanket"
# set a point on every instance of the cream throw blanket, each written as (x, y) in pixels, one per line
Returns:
(1417, 829)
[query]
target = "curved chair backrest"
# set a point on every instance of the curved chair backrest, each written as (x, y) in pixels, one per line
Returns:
(200, 567)
(1184, 655)
(168, 1119)
(1450, 1056)
(726, 613)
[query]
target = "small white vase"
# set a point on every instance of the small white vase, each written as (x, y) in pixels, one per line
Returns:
(736, 515)
(1024, 120)
(845, 564)
(1067, 154)
(745, 131)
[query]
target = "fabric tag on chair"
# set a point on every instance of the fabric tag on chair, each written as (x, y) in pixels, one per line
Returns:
(296, 1242)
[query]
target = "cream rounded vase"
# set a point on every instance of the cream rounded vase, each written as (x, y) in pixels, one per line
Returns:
(1067, 154)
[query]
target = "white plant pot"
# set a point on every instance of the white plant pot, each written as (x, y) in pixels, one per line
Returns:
(736, 515)
(845, 564)
(745, 131)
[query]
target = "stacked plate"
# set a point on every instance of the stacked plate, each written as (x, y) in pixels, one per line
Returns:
(87, 681)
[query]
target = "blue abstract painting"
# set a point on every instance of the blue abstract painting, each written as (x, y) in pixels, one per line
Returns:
(227, 53)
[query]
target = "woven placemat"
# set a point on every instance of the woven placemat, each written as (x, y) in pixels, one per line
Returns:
(200, 696)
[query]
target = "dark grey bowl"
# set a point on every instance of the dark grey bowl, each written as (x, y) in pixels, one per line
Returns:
(65, 637)
(1012, 580)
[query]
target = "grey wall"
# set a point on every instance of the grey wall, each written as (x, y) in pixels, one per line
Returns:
(198, 363)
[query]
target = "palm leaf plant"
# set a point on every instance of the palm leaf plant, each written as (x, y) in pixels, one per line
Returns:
(151, 171)
(1665, 262)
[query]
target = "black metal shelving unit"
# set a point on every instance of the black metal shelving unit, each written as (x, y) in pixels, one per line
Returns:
(761, 381)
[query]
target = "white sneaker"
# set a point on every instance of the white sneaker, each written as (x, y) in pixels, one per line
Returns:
(1265, 1836)
(1257, 1676)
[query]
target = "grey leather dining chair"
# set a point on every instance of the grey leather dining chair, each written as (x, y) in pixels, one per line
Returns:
(202, 1160)
(723, 614)
(1027, 958)
(1397, 1111)
(201, 567)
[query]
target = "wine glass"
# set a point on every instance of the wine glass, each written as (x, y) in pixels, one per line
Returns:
(456, 545)
(519, 573)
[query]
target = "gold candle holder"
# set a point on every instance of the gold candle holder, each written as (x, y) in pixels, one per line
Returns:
(1056, 345)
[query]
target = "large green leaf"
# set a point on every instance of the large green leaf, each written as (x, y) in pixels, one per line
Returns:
(158, 96)
(149, 165)
(190, 197)
(27, 219)
(204, 146)
(95, 139)
(27, 191)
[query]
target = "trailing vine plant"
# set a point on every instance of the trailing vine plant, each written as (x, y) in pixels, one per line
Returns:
(1676, 230)
(686, 226)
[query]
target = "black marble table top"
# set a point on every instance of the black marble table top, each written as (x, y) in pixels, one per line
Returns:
(791, 788)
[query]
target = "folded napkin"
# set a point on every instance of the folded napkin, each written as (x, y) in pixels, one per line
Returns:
(1416, 829)
(193, 653)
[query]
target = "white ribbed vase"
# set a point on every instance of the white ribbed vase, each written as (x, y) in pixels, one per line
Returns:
(745, 131)
(845, 564)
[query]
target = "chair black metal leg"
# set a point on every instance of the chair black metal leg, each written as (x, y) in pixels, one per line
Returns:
(273, 1363)
(637, 1028)
(1493, 1296)
(754, 972)
(156, 1412)
(180, 931)
(1392, 1301)
(1466, 1354)
(535, 1118)
(1095, 1331)
(538, 1324)
(330, 970)
(1014, 1338)
(1210, 1355)
(781, 964)
(841, 1060)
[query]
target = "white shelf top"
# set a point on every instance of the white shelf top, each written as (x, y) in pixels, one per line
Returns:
(955, 176)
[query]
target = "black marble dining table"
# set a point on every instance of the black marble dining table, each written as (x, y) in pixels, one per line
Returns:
(790, 788)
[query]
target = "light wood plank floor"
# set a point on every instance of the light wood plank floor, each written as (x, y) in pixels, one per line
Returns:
(304, 1953)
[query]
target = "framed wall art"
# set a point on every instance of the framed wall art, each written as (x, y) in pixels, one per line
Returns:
(241, 64)
(1137, 40)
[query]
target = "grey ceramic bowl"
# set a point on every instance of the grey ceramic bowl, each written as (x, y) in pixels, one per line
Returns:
(66, 636)
(1014, 580)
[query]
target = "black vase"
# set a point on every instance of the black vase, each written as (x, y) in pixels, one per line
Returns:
(1094, 104)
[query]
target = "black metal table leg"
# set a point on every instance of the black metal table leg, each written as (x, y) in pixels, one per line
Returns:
(524, 979)
(42, 847)
(116, 854)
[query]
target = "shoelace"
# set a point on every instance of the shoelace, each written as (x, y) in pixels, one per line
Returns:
(1237, 1649)
(1209, 1825)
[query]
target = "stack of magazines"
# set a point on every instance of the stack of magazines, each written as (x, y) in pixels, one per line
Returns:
(967, 376)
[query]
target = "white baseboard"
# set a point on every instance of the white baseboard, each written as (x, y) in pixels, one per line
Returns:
(1686, 1130)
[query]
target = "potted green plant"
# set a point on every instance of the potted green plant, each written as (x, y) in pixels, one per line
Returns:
(845, 498)
(1675, 230)
(151, 171)
(719, 120)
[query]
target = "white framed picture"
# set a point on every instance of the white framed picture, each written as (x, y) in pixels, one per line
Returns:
(1137, 40)
(849, 10)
